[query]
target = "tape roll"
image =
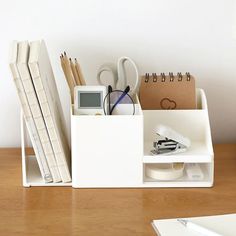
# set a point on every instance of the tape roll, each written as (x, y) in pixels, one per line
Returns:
(165, 171)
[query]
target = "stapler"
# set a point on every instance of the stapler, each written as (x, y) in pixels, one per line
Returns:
(170, 141)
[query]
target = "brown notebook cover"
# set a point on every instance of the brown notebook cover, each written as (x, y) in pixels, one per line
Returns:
(159, 92)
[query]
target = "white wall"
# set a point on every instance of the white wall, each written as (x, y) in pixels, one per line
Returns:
(160, 35)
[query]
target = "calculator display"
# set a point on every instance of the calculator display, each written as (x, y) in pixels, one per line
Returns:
(90, 99)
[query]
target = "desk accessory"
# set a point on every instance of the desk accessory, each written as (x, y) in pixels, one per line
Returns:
(48, 97)
(29, 120)
(213, 225)
(118, 75)
(129, 162)
(79, 72)
(68, 75)
(130, 152)
(72, 72)
(30, 169)
(167, 92)
(169, 142)
(165, 171)
(194, 171)
(118, 102)
(194, 124)
(89, 100)
(22, 65)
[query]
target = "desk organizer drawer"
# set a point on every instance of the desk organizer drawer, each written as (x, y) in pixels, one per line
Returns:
(107, 150)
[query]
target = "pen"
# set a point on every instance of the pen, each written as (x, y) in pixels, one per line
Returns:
(198, 228)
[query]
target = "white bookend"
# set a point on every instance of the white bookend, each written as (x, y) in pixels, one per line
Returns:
(33, 133)
(22, 65)
(47, 93)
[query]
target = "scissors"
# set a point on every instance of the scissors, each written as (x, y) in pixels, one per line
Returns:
(119, 75)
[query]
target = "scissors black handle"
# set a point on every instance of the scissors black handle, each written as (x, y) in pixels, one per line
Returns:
(127, 89)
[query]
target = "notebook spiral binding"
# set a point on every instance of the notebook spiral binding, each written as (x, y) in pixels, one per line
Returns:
(163, 77)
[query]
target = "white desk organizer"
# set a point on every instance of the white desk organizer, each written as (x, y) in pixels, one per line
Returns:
(112, 151)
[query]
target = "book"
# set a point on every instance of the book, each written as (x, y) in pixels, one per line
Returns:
(221, 224)
(47, 93)
(167, 92)
(22, 65)
(30, 124)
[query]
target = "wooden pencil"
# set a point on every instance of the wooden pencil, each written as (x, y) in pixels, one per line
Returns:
(63, 65)
(72, 66)
(68, 70)
(68, 77)
(78, 69)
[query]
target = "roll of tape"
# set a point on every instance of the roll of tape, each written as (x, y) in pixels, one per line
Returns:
(165, 171)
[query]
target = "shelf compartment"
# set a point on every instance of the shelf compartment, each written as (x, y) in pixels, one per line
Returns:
(33, 176)
(197, 153)
(184, 181)
(193, 124)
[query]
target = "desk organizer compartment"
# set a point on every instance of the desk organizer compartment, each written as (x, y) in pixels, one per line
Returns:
(193, 124)
(107, 150)
(30, 169)
(183, 181)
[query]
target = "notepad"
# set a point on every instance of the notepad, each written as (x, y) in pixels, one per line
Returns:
(167, 92)
(221, 224)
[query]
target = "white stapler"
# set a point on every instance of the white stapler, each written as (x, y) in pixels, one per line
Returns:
(170, 141)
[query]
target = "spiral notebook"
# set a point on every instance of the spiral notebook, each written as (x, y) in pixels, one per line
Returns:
(162, 92)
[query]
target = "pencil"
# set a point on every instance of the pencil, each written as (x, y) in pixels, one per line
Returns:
(68, 78)
(78, 69)
(63, 65)
(68, 69)
(76, 78)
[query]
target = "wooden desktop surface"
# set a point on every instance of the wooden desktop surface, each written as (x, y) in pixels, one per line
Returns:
(68, 211)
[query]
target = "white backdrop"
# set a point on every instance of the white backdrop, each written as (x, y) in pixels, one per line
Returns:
(160, 35)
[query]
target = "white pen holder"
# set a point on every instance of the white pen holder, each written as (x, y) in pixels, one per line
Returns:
(107, 150)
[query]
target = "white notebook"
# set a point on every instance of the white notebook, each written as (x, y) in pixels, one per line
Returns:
(22, 65)
(30, 124)
(47, 93)
(221, 224)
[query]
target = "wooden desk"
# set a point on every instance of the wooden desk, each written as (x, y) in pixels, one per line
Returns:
(67, 211)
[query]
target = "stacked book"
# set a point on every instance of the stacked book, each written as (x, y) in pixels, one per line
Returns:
(35, 83)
